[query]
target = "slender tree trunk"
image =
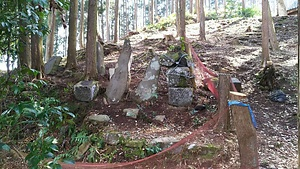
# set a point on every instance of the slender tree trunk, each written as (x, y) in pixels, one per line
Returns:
(243, 4)
(50, 37)
(224, 4)
(155, 8)
(281, 9)
(167, 8)
(265, 33)
(182, 19)
(272, 33)
(36, 54)
(216, 6)
(135, 15)
(202, 21)
(81, 32)
(198, 10)
(91, 67)
(71, 58)
(172, 6)
(116, 21)
(144, 13)
(151, 19)
(24, 47)
(177, 17)
(191, 6)
(102, 20)
(107, 21)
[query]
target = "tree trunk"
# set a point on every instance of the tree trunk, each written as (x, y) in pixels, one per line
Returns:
(265, 33)
(91, 68)
(50, 37)
(177, 17)
(224, 118)
(155, 8)
(81, 32)
(243, 4)
(216, 6)
(135, 15)
(116, 21)
(107, 21)
(202, 21)
(172, 6)
(144, 13)
(36, 54)
(224, 4)
(24, 47)
(245, 132)
(198, 10)
(151, 4)
(281, 9)
(182, 19)
(272, 33)
(191, 6)
(71, 58)
(102, 20)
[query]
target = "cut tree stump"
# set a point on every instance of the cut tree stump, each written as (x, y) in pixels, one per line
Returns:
(246, 133)
(224, 88)
(119, 81)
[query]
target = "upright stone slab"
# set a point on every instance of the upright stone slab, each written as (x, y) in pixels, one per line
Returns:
(180, 96)
(147, 88)
(86, 90)
(52, 65)
(180, 77)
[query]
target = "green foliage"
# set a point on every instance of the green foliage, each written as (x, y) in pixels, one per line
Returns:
(249, 12)
(234, 9)
(153, 149)
(212, 16)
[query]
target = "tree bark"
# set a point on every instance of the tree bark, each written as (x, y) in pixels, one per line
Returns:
(107, 21)
(216, 6)
(243, 4)
(37, 54)
(116, 38)
(265, 33)
(198, 10)
(81, 31)
(182, 19)
(91, 68)
(246, 133)
(224, 88)
(71, 58)
(272, 33)
(135, 15)
(119, 81)
(172, 6)
(50, 37)
(202, 21)
(177, 17)
(191, 6)
(151, 19)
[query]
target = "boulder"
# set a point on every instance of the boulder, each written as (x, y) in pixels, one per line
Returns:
(86, 90)
(180, 96)
(52, 65)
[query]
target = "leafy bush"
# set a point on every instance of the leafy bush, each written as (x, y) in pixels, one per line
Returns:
(248, 12)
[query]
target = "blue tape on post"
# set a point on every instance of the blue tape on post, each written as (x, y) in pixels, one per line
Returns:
(238, 103)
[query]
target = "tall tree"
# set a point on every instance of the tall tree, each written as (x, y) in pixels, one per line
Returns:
(265, 33)
(191, 6)
(91, 67)
(135, 14)
(177, 11)
(71, 58)
(81, 23)
(281, 9)
(151, 6)
(202, 21)
(172, 6)
(116, 26)
(50, 37)
(272, 33)
(181, 32)
(37, 54)
(198, 10)
(107, 21)
(216, 6)
(243, 4)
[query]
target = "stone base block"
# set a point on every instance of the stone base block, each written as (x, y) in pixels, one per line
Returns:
(180, 77)
(237, 83)
(180, 96)
(86, 90)
(52, 65)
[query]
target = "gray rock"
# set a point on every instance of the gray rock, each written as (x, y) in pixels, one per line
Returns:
(147, 88)
(180, 96)
(86, 90)
(160, 118)
(133, 113)
(180, 77)
(237, 84)
(99, 118)
(164, 142)
(52, 65)
(112, 138)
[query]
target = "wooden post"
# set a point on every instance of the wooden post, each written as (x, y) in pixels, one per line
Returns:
(224, 88)
(246, 133)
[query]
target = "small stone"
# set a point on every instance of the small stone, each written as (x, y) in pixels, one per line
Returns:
(52, 65)
(133, 113)
(99, 118)
(160, 118)
(86, 90)
(112, 138)
(165, 142)
(180, 96)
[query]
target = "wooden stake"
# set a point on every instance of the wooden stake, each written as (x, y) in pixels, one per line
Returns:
(246, 133)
